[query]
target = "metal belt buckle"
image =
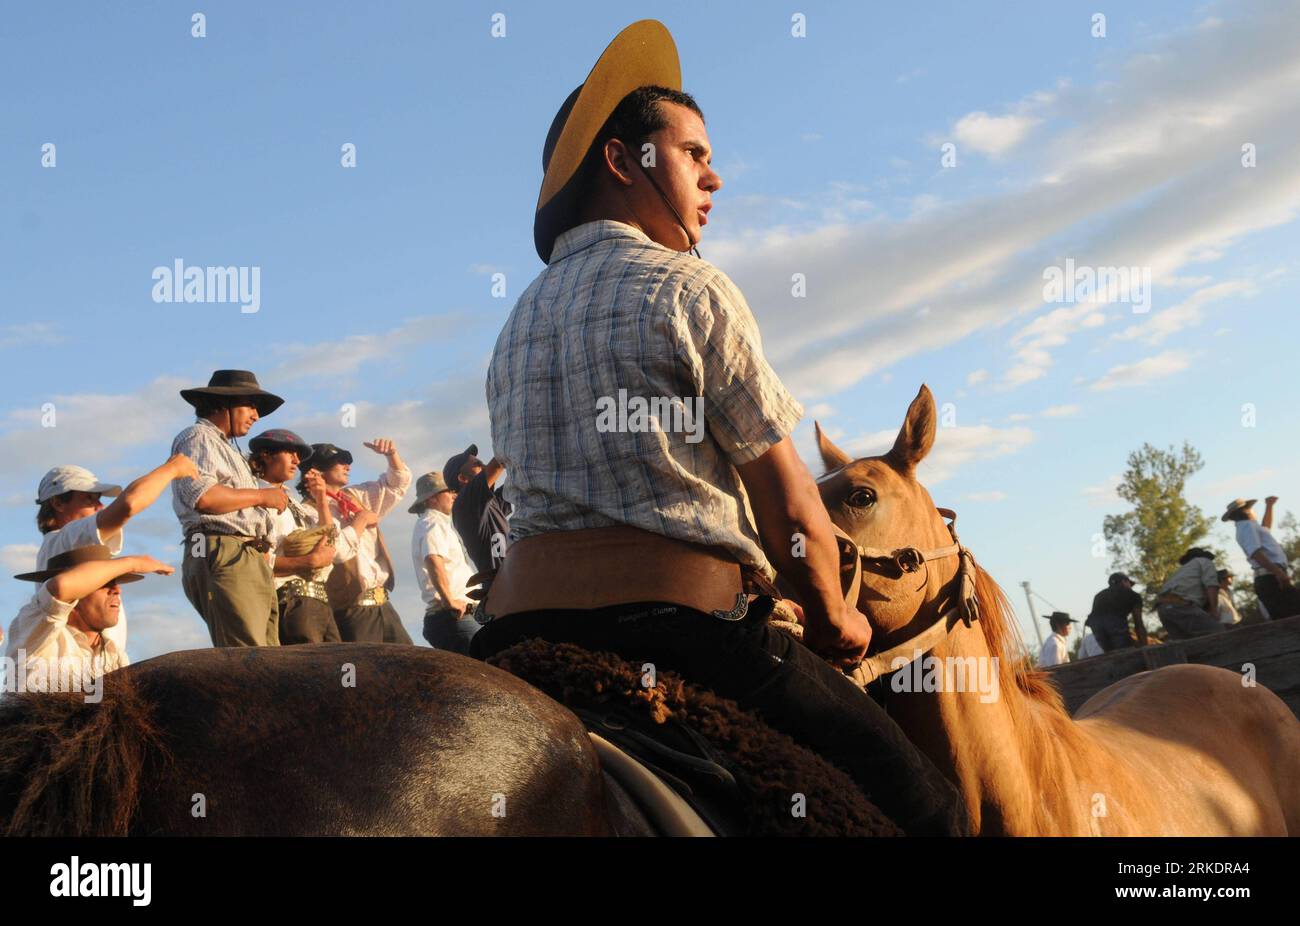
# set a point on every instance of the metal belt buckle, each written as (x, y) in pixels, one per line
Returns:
(736, 613)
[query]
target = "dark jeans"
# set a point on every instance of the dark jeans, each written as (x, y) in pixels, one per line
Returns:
(762, 669)
(306, 620)
(372, 624)
(1112, 638)
(1281, 602)
(443, 630)
(1186, 621)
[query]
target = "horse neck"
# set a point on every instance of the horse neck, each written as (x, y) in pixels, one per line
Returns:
(993, 746)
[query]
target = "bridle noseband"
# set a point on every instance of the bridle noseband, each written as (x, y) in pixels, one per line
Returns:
(906, 560)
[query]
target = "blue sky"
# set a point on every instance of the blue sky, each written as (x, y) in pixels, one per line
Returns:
(376, 280)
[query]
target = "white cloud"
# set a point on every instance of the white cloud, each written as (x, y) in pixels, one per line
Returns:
(1238, 485)
(1143, 371)
(994, 135)
(18, 557)
(1060, 411)
(954, 448)
(1103, 495)
(342, 357)
(1187, 313)
(994, 495)
(1143, 184)
(976, 377)
(29, 334)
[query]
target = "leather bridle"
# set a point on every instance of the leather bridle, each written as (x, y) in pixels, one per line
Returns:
(854, 557)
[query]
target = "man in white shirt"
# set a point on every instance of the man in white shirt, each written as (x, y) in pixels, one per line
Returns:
(369, 617)
(1054, 651)
(57, 641)
(1090, 647)
(299, 574)
(441, 567)
(1273, 582)
(1228, 614)
(71, 513)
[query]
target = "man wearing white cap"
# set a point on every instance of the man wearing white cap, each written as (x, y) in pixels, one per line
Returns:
(71, 514)
(1273, 582)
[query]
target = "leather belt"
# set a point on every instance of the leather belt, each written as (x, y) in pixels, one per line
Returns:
(373, 597)
(260, 544)
(598, 567)
(298, 587)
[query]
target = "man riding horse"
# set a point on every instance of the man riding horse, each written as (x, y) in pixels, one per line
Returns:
(632, 531)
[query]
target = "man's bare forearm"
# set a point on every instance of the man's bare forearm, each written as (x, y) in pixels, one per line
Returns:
(221, 499)
(786, 505)
(437, 571)
(136, 497)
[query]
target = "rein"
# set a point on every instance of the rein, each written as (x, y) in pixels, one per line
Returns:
(906, 560)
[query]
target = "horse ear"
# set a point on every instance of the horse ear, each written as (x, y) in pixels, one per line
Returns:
(916, 436)
(832, 457)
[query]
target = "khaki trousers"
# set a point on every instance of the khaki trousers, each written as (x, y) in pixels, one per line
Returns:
(234, 593)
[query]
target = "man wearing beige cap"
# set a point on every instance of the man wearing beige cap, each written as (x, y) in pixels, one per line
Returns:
(1273, 582)
(71, 514)
(441, 567)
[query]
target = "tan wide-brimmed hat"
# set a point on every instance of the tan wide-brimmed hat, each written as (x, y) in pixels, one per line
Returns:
(1236, 505)
(642, 55)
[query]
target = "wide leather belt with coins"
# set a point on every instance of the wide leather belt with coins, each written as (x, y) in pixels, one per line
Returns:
(373, 598)
(304, 588)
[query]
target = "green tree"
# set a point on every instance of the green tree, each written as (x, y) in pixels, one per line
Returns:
(1147, 541)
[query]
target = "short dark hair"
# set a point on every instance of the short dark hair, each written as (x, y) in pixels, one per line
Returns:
(47, 518)
(1224, 573)
(207, 406)
(257, 461)
(1195, 553)
(634, 119)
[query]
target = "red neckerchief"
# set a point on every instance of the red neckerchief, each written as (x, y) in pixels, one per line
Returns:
(347, 507)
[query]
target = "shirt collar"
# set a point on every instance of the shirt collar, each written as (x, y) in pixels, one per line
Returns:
(205, 423)
(589, 233)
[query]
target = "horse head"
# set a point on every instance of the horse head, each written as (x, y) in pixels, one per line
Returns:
(878, 503)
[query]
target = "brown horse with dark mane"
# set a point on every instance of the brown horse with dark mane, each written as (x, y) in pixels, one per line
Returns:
(335, 739)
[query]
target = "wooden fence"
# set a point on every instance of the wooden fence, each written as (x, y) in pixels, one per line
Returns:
(1272, 647)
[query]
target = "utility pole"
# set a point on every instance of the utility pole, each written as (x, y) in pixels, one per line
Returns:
(1033, 615)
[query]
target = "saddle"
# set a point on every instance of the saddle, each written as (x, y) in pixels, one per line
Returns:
(692, 761)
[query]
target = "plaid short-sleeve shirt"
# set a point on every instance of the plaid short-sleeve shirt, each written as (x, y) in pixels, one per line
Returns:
(626, 386)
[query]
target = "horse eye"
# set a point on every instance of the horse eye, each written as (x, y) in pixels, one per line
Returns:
(862, 498)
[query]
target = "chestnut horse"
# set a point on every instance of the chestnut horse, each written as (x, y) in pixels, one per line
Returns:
(1182, 750)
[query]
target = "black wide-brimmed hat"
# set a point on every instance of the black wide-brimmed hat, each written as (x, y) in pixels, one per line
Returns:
(64, 561)
(642, 55)
(235, 384)
(323, 456)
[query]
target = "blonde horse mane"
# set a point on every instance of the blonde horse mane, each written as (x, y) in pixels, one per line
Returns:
(1002, 635)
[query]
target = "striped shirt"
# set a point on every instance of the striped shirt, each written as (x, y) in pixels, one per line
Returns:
(626, 386)
(219, 462)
